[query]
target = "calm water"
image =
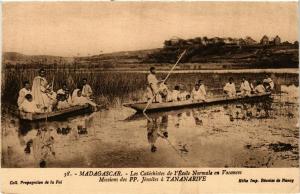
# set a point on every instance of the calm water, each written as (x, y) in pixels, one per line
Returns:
(263, 134)
(229, 135)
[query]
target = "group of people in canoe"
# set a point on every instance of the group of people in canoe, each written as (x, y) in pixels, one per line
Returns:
(41, 98)
(158, 91)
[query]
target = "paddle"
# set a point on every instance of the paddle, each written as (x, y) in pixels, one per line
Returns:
(150, 101)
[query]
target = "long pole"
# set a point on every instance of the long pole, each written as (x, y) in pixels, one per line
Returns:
(150, 101)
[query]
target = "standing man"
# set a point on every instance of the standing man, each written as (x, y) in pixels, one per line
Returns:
(40, 91)
(86, 89)
(23, 92)
(154, 84)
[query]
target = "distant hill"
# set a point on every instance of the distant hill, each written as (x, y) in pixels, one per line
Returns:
(222, 56)
(211, 56)
(117, 58)
(18, 58)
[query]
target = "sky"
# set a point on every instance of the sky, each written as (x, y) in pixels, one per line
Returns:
(72, 29)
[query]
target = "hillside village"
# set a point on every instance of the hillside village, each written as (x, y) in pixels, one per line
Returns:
(202, 53)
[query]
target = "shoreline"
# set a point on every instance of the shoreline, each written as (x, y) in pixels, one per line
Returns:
(286, 70)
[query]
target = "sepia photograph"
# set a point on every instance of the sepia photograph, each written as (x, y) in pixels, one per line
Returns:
(150, 85)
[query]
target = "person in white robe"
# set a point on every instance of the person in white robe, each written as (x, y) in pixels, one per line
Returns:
(259, 89)
(148, 94)
(68, 97)
(81, 100)
(202, 87)
(62, 90)
(184, 95)
(176, 94)
(245, 87)
(269, 82)
(229, 88)
(29, 105)
(62, 102)
(86, 89)
(75, 91)
(23, 92)
(74, 94)
(154, 85)
(41, 91)
(198, 94)
(165, 92)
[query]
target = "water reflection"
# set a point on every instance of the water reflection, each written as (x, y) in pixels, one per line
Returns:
(215, 136)
(197, 117)
(248, 111)
(38, 139)
(156, 127)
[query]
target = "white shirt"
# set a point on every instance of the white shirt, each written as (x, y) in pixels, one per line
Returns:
(81, 100)
(29, 107)
(270, 82)
(87, 90)
(62, 105)
(245, 87)
(230, 89)
(202, 89)
(22, 93)
(61, 91)
(151, 78)
(163, 87)
(260, 89)
(199, 94)
(183, 95)
(175, 95)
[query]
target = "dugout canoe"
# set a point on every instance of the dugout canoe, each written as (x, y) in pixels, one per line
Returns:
(74, 110)
(140, 106)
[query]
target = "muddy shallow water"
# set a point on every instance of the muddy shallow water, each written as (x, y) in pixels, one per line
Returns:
(263, 134)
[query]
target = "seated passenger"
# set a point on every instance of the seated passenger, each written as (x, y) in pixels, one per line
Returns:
(269, 82)
(23, 92)
(251, 86)
(52, 100)
(63, 89)
(198, 94)
(86, 89)
(75, 91)
(229, 88)
(175, 94)
(28, 105)
(259, 89)
(62, 102)
(184, 95)
(202, 87)
(81, 100)
(68, 97)
(245, 87)
(165, 92)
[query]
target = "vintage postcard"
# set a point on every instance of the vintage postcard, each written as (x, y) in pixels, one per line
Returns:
(150, 97)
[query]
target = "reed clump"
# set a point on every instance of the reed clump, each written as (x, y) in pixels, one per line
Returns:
(106, 85)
